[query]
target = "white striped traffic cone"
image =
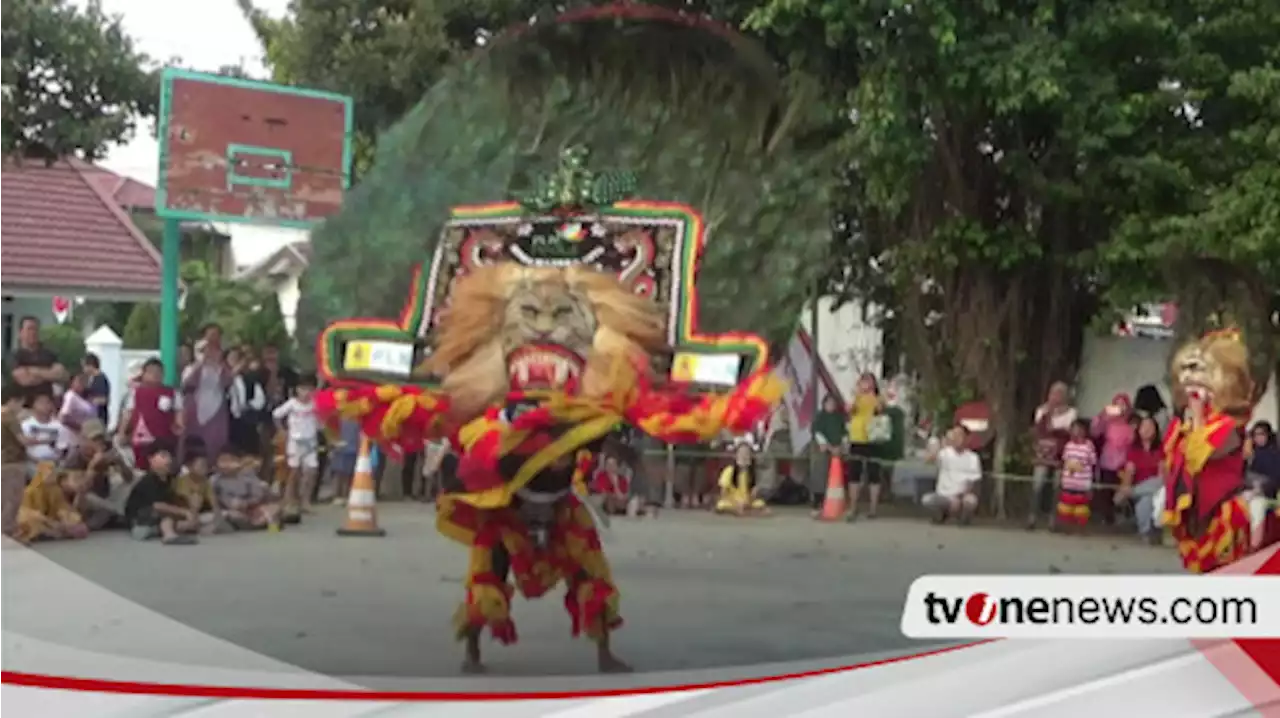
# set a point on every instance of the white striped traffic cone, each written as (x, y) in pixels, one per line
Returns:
(362, 509)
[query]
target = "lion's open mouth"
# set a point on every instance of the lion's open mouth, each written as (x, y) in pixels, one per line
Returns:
(1197, 392)
(544, 366)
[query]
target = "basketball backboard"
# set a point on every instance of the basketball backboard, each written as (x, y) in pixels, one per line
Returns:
(235, 150)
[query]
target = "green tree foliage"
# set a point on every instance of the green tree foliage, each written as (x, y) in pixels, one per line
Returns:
(266, 326)
(247, 313)
(1208, 232)
(386, 54)
(74, 83)
(998, 151)
(142, 330)
(66, 342)
(977, 154)
(707, 121)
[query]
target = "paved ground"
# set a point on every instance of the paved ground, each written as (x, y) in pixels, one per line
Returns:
(698, 590)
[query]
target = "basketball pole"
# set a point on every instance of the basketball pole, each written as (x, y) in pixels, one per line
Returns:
(169, 260)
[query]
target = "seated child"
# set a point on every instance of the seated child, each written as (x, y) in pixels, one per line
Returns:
(738, 492)
(612, 486)
(42, 433)
(154, 508)
(195, 490)
(245, 499)
(47, 511)
(1079, 465)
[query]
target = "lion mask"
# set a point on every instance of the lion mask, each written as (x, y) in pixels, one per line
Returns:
(1215, 369)
(508, 326)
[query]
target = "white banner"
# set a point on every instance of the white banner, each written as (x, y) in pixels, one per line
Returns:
(1101, 607)
(797, 369)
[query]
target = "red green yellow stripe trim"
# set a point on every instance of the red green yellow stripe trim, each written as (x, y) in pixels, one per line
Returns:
(694, 244)
(328, 361)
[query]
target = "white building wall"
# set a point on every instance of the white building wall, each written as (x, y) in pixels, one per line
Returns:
(847, 345)
(1111, 365)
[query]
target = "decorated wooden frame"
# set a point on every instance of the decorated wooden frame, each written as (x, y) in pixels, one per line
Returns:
(653, 247)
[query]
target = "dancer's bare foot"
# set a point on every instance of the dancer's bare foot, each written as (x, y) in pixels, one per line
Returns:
(613, 664)
(471, 665)
(607, 661)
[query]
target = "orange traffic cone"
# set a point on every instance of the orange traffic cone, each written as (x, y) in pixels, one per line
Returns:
(362, 510)
(836, 502)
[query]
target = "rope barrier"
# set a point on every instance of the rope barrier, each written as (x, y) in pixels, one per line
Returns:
(1051, 479)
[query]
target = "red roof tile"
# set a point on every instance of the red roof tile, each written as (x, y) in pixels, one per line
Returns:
(127, 192)
(62, 232)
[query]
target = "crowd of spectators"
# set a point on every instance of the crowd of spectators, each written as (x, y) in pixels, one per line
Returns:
(236, 446)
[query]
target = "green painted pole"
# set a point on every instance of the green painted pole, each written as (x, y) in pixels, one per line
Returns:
(170, 250)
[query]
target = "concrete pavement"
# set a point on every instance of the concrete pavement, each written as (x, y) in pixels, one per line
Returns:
(698, 590)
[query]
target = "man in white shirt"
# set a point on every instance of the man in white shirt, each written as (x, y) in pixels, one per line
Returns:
(959, 471)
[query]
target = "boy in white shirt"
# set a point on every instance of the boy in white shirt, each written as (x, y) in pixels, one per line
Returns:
(297, 417)
(959, 471)
(42, 432)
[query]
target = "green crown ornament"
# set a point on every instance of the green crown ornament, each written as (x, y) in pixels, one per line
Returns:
(572, 187)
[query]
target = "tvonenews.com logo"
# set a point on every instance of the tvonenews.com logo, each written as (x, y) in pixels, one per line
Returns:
(1092, 606)
(983, 609)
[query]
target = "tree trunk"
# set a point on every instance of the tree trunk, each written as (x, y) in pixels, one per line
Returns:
(999, 460)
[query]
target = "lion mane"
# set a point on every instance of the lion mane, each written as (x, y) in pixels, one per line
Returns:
(1220, 361)
(471, 343)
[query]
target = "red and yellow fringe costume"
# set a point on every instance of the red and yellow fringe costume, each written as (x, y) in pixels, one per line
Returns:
(1073, 507)
(1210, 520)
(558, 426)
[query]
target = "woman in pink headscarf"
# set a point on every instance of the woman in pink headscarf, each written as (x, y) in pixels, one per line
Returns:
(1114, 431)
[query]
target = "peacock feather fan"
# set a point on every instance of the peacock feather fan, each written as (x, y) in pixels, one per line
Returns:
(684, 109)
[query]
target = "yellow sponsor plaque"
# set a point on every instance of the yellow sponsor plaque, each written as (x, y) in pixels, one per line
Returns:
(685, 367)
(386, 357)
(715, 369)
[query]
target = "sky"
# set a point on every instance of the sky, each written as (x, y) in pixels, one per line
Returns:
(205, 35)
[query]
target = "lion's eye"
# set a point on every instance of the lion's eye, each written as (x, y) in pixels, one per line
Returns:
(563, 312)
(529, 312)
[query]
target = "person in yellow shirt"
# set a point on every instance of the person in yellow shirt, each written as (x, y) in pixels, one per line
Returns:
(861, 469)
(47, 510)
(738, 492)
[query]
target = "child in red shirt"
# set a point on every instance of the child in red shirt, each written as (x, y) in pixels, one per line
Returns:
(611, 484)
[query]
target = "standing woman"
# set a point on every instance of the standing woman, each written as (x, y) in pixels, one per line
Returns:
(1113, 431)
(828, 434)
(97, 386)
(248, 403)
(861, 467)
(205, 385)
(1051, 429)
